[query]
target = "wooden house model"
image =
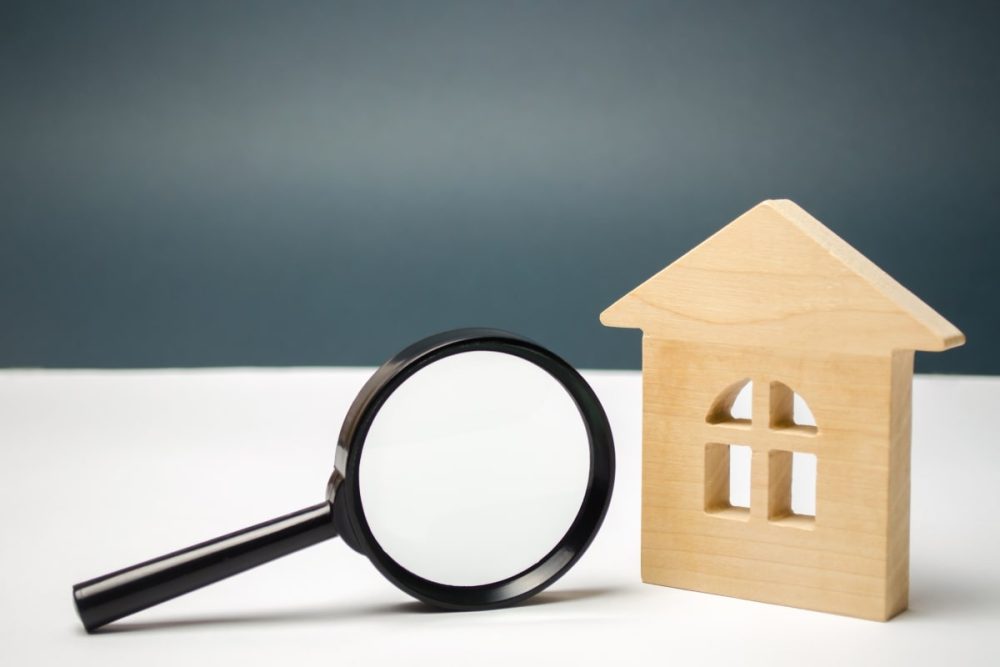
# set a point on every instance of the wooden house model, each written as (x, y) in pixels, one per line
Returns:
(777, 302)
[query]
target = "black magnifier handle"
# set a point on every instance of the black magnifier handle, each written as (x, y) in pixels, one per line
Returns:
(113, 596)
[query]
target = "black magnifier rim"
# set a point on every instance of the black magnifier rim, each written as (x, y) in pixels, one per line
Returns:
(345, 493)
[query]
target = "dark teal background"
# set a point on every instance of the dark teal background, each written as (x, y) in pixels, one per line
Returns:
(240, 183)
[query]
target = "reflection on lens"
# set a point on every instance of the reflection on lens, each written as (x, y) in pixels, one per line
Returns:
(474, 468)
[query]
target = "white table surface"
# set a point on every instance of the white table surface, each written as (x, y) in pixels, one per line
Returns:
(100, 469)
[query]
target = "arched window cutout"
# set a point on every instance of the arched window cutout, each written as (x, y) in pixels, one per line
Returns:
(789, 411)
(801, 414)
(734, 405)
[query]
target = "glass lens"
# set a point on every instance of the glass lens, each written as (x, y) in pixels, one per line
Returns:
(474, 468)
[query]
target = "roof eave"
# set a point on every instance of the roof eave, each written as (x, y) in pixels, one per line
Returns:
(941, 341)
(619, 314)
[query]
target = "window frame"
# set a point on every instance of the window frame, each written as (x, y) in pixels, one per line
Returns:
(778, 453)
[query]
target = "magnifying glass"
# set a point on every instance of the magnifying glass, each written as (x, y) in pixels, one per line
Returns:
(473, 470)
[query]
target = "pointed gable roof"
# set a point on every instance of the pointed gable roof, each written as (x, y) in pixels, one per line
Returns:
(776, 276)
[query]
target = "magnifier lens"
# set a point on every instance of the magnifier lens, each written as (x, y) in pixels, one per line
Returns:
(474, 468)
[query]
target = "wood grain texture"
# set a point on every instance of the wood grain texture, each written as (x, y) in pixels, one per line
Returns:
(777, 299)
(778, 276)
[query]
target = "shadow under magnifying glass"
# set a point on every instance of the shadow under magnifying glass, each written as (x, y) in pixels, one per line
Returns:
(339, 613)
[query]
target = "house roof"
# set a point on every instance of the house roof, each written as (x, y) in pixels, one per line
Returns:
(776, 276)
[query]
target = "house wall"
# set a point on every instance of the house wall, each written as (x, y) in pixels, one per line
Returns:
(898, 563)
(839, 563)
